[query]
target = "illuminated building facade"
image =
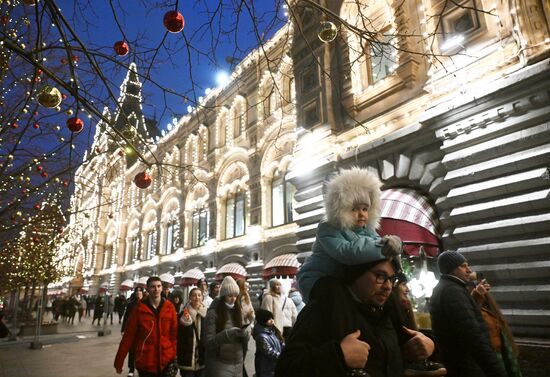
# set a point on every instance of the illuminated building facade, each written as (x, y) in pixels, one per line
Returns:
(463, 140)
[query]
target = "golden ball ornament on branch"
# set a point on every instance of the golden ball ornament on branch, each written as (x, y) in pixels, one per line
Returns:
(173, 21)
(142, 180)
(49, 97)
(327, 31)
(121, 48)
(129, 132)
(75, 124)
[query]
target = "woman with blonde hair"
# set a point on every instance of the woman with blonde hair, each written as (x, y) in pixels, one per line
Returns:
(246, 305)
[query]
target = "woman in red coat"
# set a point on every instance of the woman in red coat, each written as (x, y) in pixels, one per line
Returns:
(152, 333)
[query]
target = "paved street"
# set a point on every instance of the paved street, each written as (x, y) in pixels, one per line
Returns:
(76, 351)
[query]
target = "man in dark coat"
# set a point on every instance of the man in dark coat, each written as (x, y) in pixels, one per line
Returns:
(363, 336)
(458, 325)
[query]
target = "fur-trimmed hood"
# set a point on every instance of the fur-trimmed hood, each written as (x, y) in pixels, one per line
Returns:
(349, 187)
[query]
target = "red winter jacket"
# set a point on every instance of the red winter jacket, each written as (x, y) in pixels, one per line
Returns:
(152, 338)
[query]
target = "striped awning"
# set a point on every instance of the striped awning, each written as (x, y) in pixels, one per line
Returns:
(127, 285)
(409, 215)
(281, 265)
(167, 278)
(234, 270)
(142, 281)
(191, 277)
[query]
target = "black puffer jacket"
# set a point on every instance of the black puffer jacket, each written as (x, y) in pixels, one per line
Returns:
(461, 333)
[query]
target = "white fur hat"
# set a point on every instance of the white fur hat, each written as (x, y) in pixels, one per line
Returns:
(350, 187)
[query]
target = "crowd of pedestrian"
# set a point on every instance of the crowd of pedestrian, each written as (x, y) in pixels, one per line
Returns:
(354, 319)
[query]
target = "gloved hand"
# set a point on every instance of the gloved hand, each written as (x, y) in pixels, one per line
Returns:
(392, 246)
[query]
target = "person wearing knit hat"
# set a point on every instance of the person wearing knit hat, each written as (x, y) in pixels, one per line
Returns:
(348, 235)
(449, 260)
(457, 322)
(229, 287)
(225, 340)
(268, 344)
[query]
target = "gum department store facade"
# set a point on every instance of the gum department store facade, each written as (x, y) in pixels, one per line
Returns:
(463, 151)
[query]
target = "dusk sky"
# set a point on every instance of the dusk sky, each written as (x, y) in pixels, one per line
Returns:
(143, 28)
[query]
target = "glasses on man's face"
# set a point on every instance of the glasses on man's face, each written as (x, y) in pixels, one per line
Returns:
(382, 278)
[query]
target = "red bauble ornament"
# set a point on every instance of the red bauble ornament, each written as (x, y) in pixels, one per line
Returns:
(4, 19)
(142, 180)
(64, 61)
(39, 168)
(14, 125)
(66, 183)
(173, 21)
(60, 229)
(44, 174)
(75, 124)
(121, 48)
(36, 125)
(39, 72)
(37, 206)
(74, 58)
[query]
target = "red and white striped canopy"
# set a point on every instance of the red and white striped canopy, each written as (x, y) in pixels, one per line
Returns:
(142, 282)
(409, 205)
(409, 215)
(234, 270)
(281, 265)
(127, 285)
(191, 277)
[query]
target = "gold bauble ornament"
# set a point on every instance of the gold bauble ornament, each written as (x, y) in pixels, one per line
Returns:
(129, 132)
(327, 32)
(49, 97)
(69, 112)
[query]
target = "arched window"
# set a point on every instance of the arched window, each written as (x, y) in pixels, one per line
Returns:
(135, 249)
(151, 243)
(235, 215)
(199, 226)
(170, 235)
(197, 215)
(282, 200)
(202, 143)
(232, 202)
(107, 256)
(221, 128)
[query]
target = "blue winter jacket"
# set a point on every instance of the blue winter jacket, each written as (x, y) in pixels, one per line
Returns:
(268, 350)
(334, 249)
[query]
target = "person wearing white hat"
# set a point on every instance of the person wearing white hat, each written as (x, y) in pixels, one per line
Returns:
(224, 338)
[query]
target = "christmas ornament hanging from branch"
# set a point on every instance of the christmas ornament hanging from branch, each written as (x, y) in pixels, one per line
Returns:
(142, 180)
(327, 32)
(173, 21)
(121, 48)
(49, 97)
